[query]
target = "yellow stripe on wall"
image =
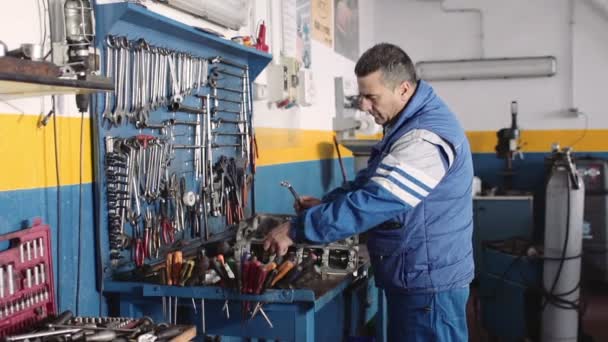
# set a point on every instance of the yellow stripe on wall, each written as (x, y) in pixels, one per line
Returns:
(279, 146)
(541, 140)
(28, 152)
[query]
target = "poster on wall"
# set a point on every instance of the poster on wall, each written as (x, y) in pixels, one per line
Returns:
(347, 28)
(322, 29)
(303, 28)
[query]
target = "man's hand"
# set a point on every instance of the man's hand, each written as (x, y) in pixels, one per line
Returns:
(305, 202)
(278, 240)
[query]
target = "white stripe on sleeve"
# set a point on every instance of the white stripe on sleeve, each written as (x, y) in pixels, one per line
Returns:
(403, 181)
(396, 190)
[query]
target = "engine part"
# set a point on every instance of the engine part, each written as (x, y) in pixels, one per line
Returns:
(339, 257)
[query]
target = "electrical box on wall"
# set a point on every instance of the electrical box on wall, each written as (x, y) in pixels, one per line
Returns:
(283, 80)
(306, 89)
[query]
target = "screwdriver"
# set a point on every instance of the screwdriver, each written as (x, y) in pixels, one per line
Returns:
(168, 333)
(169, 269)
(177, 266)
(273, 271)
(186, 272)
(218, 264)
(304, 267)
(245, 263)
(202, 266)
(263, 281)
(253, 274)
(231, 262)
(285, 267)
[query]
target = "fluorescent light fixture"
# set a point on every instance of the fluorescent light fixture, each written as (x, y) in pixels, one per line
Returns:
(489, 68)
(231, 14)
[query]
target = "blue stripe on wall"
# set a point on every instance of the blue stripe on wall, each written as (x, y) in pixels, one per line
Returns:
(529, 172)
(313, 178)
(23, 205)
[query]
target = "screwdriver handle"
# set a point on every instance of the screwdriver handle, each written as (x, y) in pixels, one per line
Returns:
(285, 267)
(262, 274)
(169, 268)
(269, 278)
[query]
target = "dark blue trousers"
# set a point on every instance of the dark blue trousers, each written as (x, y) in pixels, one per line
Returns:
(437, 317)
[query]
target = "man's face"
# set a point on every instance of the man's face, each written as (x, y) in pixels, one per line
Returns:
(380, 101)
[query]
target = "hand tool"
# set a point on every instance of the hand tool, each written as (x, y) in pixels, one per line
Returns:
(168, 232)
(42, 274)
(224, 99)
(340, 160)
(28, 273)
(169, 269)
(180, 107)
(168, 333)
(202, 265)
(260, 309)
(177, 266)
(295, 195)
(227, 72)
(40, 244)
(102, 336)
(301, 270)
(40, 334)
(175, 310)
(285, 267)
(138, 247)
(186, 272)
(109, 71)
(92, 327)
(11, 288)
(148, 243)
(226, 274)
(36, 276)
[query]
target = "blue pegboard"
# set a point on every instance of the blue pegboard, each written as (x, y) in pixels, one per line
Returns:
(293, 311)
(134, 22)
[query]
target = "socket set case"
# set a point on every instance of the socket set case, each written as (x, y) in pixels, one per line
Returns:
(26, 279)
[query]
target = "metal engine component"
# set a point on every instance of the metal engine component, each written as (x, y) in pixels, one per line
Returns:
(341, 257)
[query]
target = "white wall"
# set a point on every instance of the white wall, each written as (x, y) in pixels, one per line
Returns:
(326, 65)
(509, 28)
(19, 25)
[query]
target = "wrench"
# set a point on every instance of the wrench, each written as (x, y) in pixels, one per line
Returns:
(107, 113)
(291, 189)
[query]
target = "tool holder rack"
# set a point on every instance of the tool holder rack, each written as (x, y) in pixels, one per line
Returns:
(292, 311)
(27, 295)
(136, 22)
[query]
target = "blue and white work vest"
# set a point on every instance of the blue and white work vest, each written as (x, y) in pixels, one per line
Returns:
(420, 232)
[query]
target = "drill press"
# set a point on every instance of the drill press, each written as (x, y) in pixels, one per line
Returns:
(508, 147)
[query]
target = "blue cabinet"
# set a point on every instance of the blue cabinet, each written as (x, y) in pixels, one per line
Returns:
(499, 218)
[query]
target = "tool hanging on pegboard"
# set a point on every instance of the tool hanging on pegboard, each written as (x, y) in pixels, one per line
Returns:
(151, 200)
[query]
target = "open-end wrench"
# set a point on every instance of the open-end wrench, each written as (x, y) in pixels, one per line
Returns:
(107, 111)
(291, 189)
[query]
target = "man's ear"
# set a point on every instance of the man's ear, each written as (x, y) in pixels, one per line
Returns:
(405, 90)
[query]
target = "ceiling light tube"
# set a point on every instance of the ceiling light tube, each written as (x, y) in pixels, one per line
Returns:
(489, 68)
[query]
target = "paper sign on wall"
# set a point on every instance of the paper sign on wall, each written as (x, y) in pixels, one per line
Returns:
(322, 17)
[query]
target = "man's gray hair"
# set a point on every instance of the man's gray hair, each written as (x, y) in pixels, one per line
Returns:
(395, 64)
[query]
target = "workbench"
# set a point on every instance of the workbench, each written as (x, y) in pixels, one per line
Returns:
(331, 309)
(328, 310)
